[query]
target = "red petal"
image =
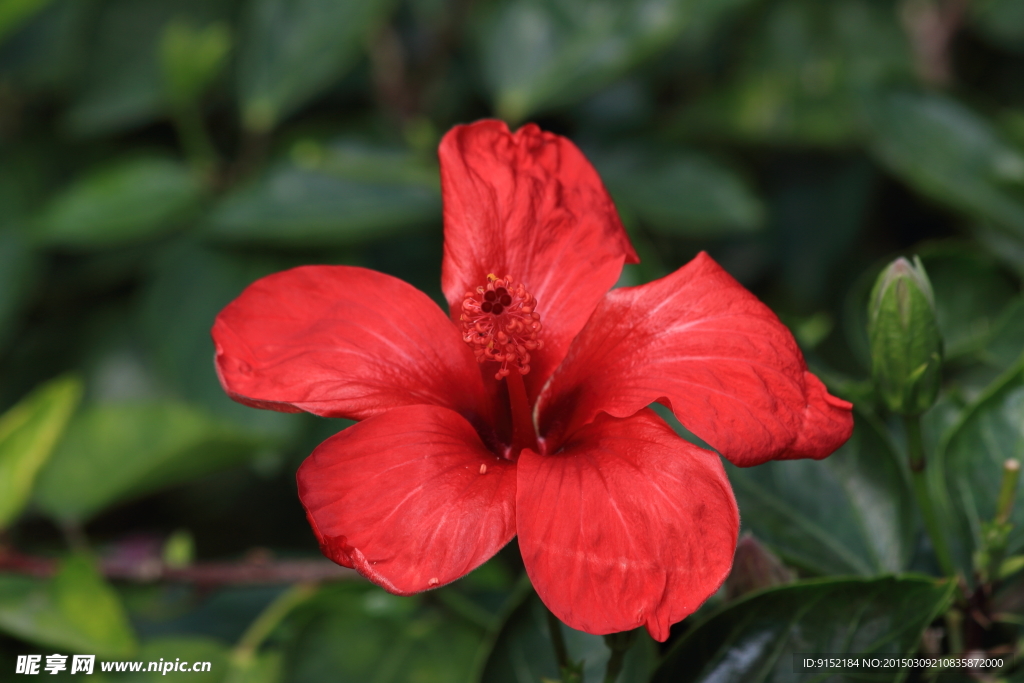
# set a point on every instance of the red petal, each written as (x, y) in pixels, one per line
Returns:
(410, 499)
(699, 341)
(531, 206)
(627, 525)
(340, 341)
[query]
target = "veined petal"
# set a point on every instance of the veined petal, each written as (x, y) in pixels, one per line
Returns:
(696, 339)
(531, 206)
(341, 341)
(410, 499)
(627, 525)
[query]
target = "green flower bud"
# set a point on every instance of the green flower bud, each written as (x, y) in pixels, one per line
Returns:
(906, 346)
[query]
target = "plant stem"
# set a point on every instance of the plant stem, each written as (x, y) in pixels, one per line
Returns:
(194, 139)
(915, 449)
(619, 644)
(1007, 490)
(149, 569)
(954, 631)
(267, 621)
(558, 642)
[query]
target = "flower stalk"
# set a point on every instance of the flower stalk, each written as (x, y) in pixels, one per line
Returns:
(915, 450)
(906, 366)
(619, 644)
(1007, 490)
(996, 533)
(244, 654)
(568, 670)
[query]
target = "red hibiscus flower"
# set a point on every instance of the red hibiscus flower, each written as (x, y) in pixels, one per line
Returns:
(525, 410)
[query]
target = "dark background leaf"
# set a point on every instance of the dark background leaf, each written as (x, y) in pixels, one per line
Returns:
(756, 639)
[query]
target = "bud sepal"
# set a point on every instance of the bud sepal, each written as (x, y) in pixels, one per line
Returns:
(905, 342)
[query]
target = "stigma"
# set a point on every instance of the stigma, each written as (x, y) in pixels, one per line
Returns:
(501, 324)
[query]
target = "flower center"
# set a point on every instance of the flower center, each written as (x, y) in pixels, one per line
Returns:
(500, 322)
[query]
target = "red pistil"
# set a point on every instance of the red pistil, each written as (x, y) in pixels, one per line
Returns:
(500, 322)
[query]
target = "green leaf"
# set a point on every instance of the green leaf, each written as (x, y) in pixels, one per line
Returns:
(186, 290)
(805, 76)
(13, 13)
(342, 195)
(951, 155)
(971, 295)
(265, 667)
(1001, 22)
(293, 49)
(970, 463)
(18, 270)
(756, 639)
(851, 513)
(126, 202)
(117, 451)
(47, 52)
(360, 634)
(684, 194)
(539, 54)
(28, 433)
(523, 651)
(190, 649)
(121, 85)
(75, 609)
(191, 59)
(818, 211)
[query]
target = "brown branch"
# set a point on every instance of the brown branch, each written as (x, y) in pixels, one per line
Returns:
(405, 79)
(931, 26)
(152, 570)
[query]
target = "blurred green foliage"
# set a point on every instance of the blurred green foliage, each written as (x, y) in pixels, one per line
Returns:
(156, 156)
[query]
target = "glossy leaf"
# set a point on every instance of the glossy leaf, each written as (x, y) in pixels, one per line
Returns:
(951, 155)
(1006, 341)
(851, 513)
(755, 640)
(539, 54)
(13, 13)
(126, 202)
(190, 285)
(386, 638)
(18, 270)
(121, 85)
(971, 295)
(294, 49)
(684, 194)
(117, 451)
(972, 454)
(338, 196)
(46, 51)
(1001, 22)
(523, 652)
(28, 433)
(806, 75)
(76, 609)
(818, 211)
